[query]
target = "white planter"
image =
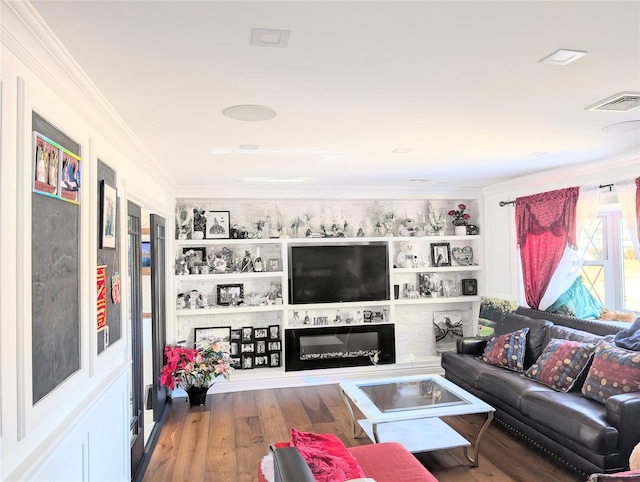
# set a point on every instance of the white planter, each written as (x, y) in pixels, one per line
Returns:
(460, 230)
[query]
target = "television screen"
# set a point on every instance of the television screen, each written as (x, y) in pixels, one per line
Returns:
(333, 273)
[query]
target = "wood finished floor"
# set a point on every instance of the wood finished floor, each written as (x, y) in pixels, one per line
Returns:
(225, 440)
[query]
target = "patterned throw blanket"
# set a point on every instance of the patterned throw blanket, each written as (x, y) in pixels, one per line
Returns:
(630, 338)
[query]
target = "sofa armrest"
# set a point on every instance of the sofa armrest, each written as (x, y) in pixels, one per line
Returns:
(471, 345)
(623, 412)
(289, 466)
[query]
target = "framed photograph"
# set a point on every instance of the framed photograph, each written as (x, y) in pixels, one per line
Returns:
(261, 361)
(70, 177)
(218, 225)
(440, 254)
(428, 283)
(236, 362)
(248, 347)
(234, 349)
(260, 333)
(274, 359)
(46, 165)
(229, 294)
(206, 336)
(447, 327)
(273, 264)
(247, 333)
(261, 347)
(274, 346)
(199, 252)
(247, 361)
(108, 217)
(236, 334)
(274, 332)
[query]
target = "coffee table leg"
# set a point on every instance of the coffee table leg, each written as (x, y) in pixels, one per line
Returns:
(355, 433)
(476, 447)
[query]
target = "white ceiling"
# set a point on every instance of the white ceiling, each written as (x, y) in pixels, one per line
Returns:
(457, 82)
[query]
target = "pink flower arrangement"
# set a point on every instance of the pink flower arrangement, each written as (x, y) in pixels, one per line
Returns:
(460, 218)
(194, 367)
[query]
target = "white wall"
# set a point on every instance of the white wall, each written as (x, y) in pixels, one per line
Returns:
(501, 254)
(80, 431)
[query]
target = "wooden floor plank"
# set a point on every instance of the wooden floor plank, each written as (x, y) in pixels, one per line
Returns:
(226, 439)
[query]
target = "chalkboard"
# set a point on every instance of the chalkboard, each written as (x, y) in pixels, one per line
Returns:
(55, 281)
(109, 257)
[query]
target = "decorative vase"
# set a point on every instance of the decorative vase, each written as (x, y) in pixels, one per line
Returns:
(460, 230)
(197, 396)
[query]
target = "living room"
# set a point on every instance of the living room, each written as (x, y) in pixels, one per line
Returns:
(64, 433)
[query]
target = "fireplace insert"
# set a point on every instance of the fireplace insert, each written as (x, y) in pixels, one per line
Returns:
(339, 346)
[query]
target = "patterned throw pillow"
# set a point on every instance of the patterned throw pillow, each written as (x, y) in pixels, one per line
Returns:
(561, 363)
(506, 350)
(326, 456)
(614, 371)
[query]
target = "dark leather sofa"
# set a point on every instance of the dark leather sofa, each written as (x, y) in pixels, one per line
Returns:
(585, 435)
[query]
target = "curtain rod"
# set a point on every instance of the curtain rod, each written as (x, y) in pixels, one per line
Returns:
(601, 186)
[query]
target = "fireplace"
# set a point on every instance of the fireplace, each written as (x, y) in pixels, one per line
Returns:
(339, 346)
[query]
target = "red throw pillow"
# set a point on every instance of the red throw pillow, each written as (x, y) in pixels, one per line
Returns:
(506, 350)
(326, 456)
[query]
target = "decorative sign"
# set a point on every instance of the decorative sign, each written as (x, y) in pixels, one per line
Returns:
(101, 281)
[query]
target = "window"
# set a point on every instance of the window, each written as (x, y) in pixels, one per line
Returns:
(611, 270)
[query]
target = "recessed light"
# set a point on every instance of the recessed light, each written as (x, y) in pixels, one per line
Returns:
(627, 126)
(251, 113)
(401, 151)
(420, 179)
(268, 37)
(563, 57)
(537, 154)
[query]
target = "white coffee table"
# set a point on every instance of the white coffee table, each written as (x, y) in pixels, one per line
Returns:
(408, 410)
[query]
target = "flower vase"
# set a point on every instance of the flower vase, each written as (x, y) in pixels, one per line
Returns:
(197, 396)
(460, 230)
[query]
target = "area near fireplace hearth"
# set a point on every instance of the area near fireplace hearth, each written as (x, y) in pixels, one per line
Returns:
(236, 267)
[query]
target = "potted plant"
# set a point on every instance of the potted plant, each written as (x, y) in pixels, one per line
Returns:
(460, 219)
(195, 369)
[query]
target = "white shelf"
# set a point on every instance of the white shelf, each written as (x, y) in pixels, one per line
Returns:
(205, 242)
(220, 310)
(227, 276)
(431, 239)
(440, 269)
(438, 300)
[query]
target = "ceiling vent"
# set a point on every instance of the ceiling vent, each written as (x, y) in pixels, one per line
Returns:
(622, 102)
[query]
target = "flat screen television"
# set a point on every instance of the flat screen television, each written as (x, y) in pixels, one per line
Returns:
(334, 272)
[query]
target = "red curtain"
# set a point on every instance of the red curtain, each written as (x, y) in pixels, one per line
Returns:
(546, 224)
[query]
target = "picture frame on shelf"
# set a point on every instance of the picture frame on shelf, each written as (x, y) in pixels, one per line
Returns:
(247, 333)
(274, 359)
(261, 347)
(236, 362)
(218, 225)
(260, 333)
(274, 332)
(462, 255)
(229, 294)
(234, 348)
(273, 264)
(247, 347)
(199, 223)
(236, 334)
(203, 336)
(247, 361)
(261, 361)
(274, 346)
(440, 254)
(108, 216)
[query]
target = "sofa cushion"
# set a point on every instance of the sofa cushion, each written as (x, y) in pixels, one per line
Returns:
(614, 371)
(466, 368)
(561, 363)
(537, 337)
(574, 417)
(506, 350)
(375, 462)
(566, 333)
(508, 386)
(326, 456)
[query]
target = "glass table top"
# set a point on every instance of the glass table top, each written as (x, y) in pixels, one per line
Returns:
(410, 395)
